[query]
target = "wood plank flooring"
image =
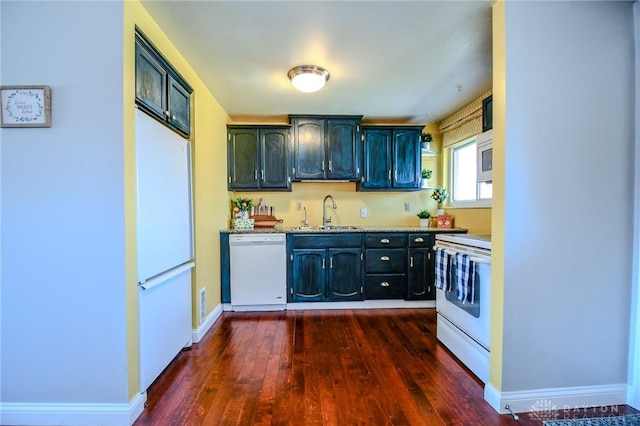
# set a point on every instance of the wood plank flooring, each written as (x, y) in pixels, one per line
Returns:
(327, 367)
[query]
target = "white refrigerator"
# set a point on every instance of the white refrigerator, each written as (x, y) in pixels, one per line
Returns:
(165, 245)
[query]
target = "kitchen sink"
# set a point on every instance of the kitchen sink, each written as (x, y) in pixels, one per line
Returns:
(326, 228)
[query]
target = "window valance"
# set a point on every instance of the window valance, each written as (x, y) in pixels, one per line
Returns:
(464, 123)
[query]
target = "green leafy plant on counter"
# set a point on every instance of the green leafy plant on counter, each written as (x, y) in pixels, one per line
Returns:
(426, 174)
(242, 204)
(424, 214)
(440, 194)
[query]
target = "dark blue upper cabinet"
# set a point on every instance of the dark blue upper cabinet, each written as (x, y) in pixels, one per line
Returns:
(407, 158)
(377, 159)
(342, 149)
(392, 158)
(326, 147)
(258, 158)
(308, 148)
(160, 91)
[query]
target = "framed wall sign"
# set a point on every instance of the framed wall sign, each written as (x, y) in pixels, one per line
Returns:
(25, 106)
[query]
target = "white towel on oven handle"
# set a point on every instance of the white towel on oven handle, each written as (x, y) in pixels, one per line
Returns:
(465, 277)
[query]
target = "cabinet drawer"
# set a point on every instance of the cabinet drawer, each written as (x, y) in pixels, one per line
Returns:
(386, 260)
(384, 287)
(385, 240)
(326, 241)
(421, 240)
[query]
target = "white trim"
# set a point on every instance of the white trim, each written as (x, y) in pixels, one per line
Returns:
(199, 333)
(633, 372)
(366, 304)
(562, 398)
(72, 414)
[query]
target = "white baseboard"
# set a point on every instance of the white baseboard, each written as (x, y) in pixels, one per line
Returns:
(199, 333)
(45, 414)
(366, 304)
(560, 398)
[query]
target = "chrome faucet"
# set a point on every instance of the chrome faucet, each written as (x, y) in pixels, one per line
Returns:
(327, 220)
(305, 221)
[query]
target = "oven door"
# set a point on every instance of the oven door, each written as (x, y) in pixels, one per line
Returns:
(473, 318)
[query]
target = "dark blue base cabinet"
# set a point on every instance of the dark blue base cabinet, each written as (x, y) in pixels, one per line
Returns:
(325, 268)
(360, 266)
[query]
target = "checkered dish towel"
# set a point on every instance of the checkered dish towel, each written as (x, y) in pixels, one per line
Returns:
(442, 270)
(465, 278)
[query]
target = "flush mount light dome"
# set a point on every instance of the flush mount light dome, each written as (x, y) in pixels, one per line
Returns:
(308, 78)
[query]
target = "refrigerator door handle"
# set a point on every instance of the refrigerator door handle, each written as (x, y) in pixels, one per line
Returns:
(159, 279)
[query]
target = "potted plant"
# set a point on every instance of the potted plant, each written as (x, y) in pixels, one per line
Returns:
(426, 175)
(241, 207)
(424, 216)
(440, 194)
(426, 141)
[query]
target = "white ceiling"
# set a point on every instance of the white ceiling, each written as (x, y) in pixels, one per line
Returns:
(391, 61)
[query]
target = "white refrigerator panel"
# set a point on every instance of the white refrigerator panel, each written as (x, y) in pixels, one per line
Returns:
(164, 316)
(165, 227)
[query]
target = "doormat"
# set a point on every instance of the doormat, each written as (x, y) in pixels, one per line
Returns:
(630, 420)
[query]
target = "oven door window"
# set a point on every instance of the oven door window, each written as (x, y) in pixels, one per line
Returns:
(471, 307)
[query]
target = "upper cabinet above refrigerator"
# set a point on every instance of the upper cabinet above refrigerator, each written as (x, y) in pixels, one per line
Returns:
(160, 91)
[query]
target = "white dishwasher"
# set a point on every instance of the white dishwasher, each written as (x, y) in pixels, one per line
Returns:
(258, 266)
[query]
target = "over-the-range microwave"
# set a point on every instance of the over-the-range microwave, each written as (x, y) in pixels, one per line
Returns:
(484, 144)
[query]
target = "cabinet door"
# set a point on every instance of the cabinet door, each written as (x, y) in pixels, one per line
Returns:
(308, 282)
(309, 149)
(274, 159)
(345, 275)
(377, 159)
(407, 159)
(179, 107)
(420, 277)
(151, 82)
(342, 149)
(243, 159)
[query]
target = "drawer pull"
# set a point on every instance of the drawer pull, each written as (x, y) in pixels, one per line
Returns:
(385, 258)
(385, 241)
(384, 284)
(419, 240)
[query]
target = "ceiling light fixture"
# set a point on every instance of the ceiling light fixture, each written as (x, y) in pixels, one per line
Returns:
(308, 78)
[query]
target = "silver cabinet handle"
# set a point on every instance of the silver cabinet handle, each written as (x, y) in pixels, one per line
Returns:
(262, 171)
(255, 175)
(331, 263)
(411, 262)
(384, 258)
(323, 263)
(173, 117)
(384, 284)
(419, 240)
(330, 166)
(384, 241)
(389, 174)
(323, 166)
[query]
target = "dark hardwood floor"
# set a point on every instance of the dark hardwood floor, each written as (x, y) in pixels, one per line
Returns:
(338, 367)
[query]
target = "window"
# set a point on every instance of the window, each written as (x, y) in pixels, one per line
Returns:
(464, 187)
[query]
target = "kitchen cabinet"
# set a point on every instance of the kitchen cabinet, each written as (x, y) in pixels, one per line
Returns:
(392, 158)
(420, 271)
(325, 268)
(160, 90)
(326, 147)
(258, 158)
(385, 265)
